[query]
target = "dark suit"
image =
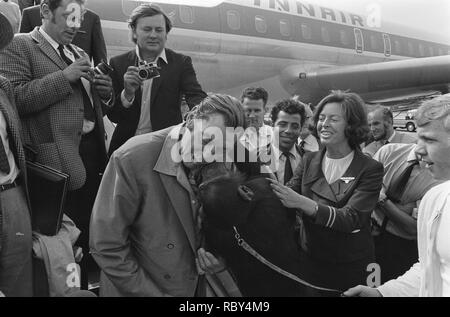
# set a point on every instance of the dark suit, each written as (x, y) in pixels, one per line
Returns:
(27, 3)
(89, 37)
(15, 249)
(338, 240)
(177, 78)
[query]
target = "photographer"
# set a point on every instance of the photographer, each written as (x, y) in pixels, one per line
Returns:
(152, 101)
(60, 109)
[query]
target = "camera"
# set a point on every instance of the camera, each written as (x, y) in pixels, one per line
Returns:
(101, 69)
(148, 70)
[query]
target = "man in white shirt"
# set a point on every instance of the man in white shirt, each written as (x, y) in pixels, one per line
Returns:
(381, 123)
(288, 117)
(257, 135)
(430, 276)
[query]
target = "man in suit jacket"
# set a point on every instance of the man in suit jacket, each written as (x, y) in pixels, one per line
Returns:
(89, 37)
(145, 232)
(27, 3)
(15, 249)
(144, 106)
(381, 123)
(61, 111)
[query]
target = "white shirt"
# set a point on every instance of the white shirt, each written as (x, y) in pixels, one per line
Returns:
(425, 278)
(334, 169)
(88, 126)
(311, 143)
(14, 171)
(294, 158)
(443, 250)
(254, 139)
(144, 125)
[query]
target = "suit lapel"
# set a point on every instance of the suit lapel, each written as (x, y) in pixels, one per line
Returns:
(316, 180)
(47, 49)
(157, 81)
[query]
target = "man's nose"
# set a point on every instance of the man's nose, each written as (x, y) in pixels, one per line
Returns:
(420, 149)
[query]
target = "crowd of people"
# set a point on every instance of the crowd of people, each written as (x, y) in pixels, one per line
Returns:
(361, 192)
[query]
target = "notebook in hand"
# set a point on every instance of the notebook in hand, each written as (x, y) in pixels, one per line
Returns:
(47, 188)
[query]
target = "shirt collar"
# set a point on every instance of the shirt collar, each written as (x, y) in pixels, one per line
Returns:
(49, 39)
(293, 151)
(161, 55)
(392, 137)
(412, 154)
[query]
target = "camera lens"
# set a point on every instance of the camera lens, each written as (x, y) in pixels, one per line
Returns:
(143, 73)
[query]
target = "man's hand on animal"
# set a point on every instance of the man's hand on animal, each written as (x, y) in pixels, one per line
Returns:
(362, 291)
(131, 82)
(208, 263)
(79, 68)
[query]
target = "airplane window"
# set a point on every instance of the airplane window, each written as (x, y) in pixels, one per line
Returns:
(306, 32)
(410, 49)
(359, 40)
(186, 14)
(373, 42)
(397, 47)
(421, 50)
(233, 20)
(387, 45)
(344, 37)
(431, 50)
(325, 34)
(129, 5)
(285, 28)
(260, 24)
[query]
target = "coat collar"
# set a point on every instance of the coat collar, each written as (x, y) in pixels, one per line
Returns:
(176, 183)
(336, 191)
(47, 48)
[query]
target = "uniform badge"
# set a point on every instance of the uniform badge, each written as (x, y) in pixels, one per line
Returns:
(347, 179)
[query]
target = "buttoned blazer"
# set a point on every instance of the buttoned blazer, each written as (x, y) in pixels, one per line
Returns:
(50, 108)
(177, 78)
(340, 232)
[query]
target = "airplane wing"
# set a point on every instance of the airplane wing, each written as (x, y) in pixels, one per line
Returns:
(389, 81)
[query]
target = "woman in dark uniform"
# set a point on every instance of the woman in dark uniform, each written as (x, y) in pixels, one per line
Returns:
(334, 192)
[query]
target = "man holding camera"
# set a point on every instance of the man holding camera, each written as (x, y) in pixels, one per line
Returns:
(150, 80)
(60, 105)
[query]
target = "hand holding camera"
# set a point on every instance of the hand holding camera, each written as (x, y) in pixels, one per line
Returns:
(136, 75)
(76, 70)
(99, 76)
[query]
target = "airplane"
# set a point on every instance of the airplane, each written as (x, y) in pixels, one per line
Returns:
(291, 47)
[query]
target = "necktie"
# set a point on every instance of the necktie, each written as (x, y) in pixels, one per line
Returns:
(287, 168)
(4, 164)
(89, 113)
(302, 148)
(397, 188)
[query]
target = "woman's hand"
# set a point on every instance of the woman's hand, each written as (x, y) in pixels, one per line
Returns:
(289, 198)
(208, 263)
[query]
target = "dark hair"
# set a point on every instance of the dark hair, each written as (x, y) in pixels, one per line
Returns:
(387, 113)
(289, 106)
(54, 4)
(147, 10)
(255, 94)
(355, 115)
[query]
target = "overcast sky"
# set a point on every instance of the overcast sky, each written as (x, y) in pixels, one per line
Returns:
(430, 15)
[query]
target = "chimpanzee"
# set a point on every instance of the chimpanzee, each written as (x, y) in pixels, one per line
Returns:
(234, 200)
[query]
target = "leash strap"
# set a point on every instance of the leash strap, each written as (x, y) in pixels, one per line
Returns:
(243, 244)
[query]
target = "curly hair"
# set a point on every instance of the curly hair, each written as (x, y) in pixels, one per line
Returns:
(290, 106)
(355, 115)
(435, 109)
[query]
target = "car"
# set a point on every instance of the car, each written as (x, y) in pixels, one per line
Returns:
(405, 120)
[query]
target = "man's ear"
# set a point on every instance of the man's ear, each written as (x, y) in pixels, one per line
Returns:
(246, 193)
(46, 13)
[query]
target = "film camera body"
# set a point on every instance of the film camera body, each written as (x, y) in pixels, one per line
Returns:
(101, 69)
(148, 70)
